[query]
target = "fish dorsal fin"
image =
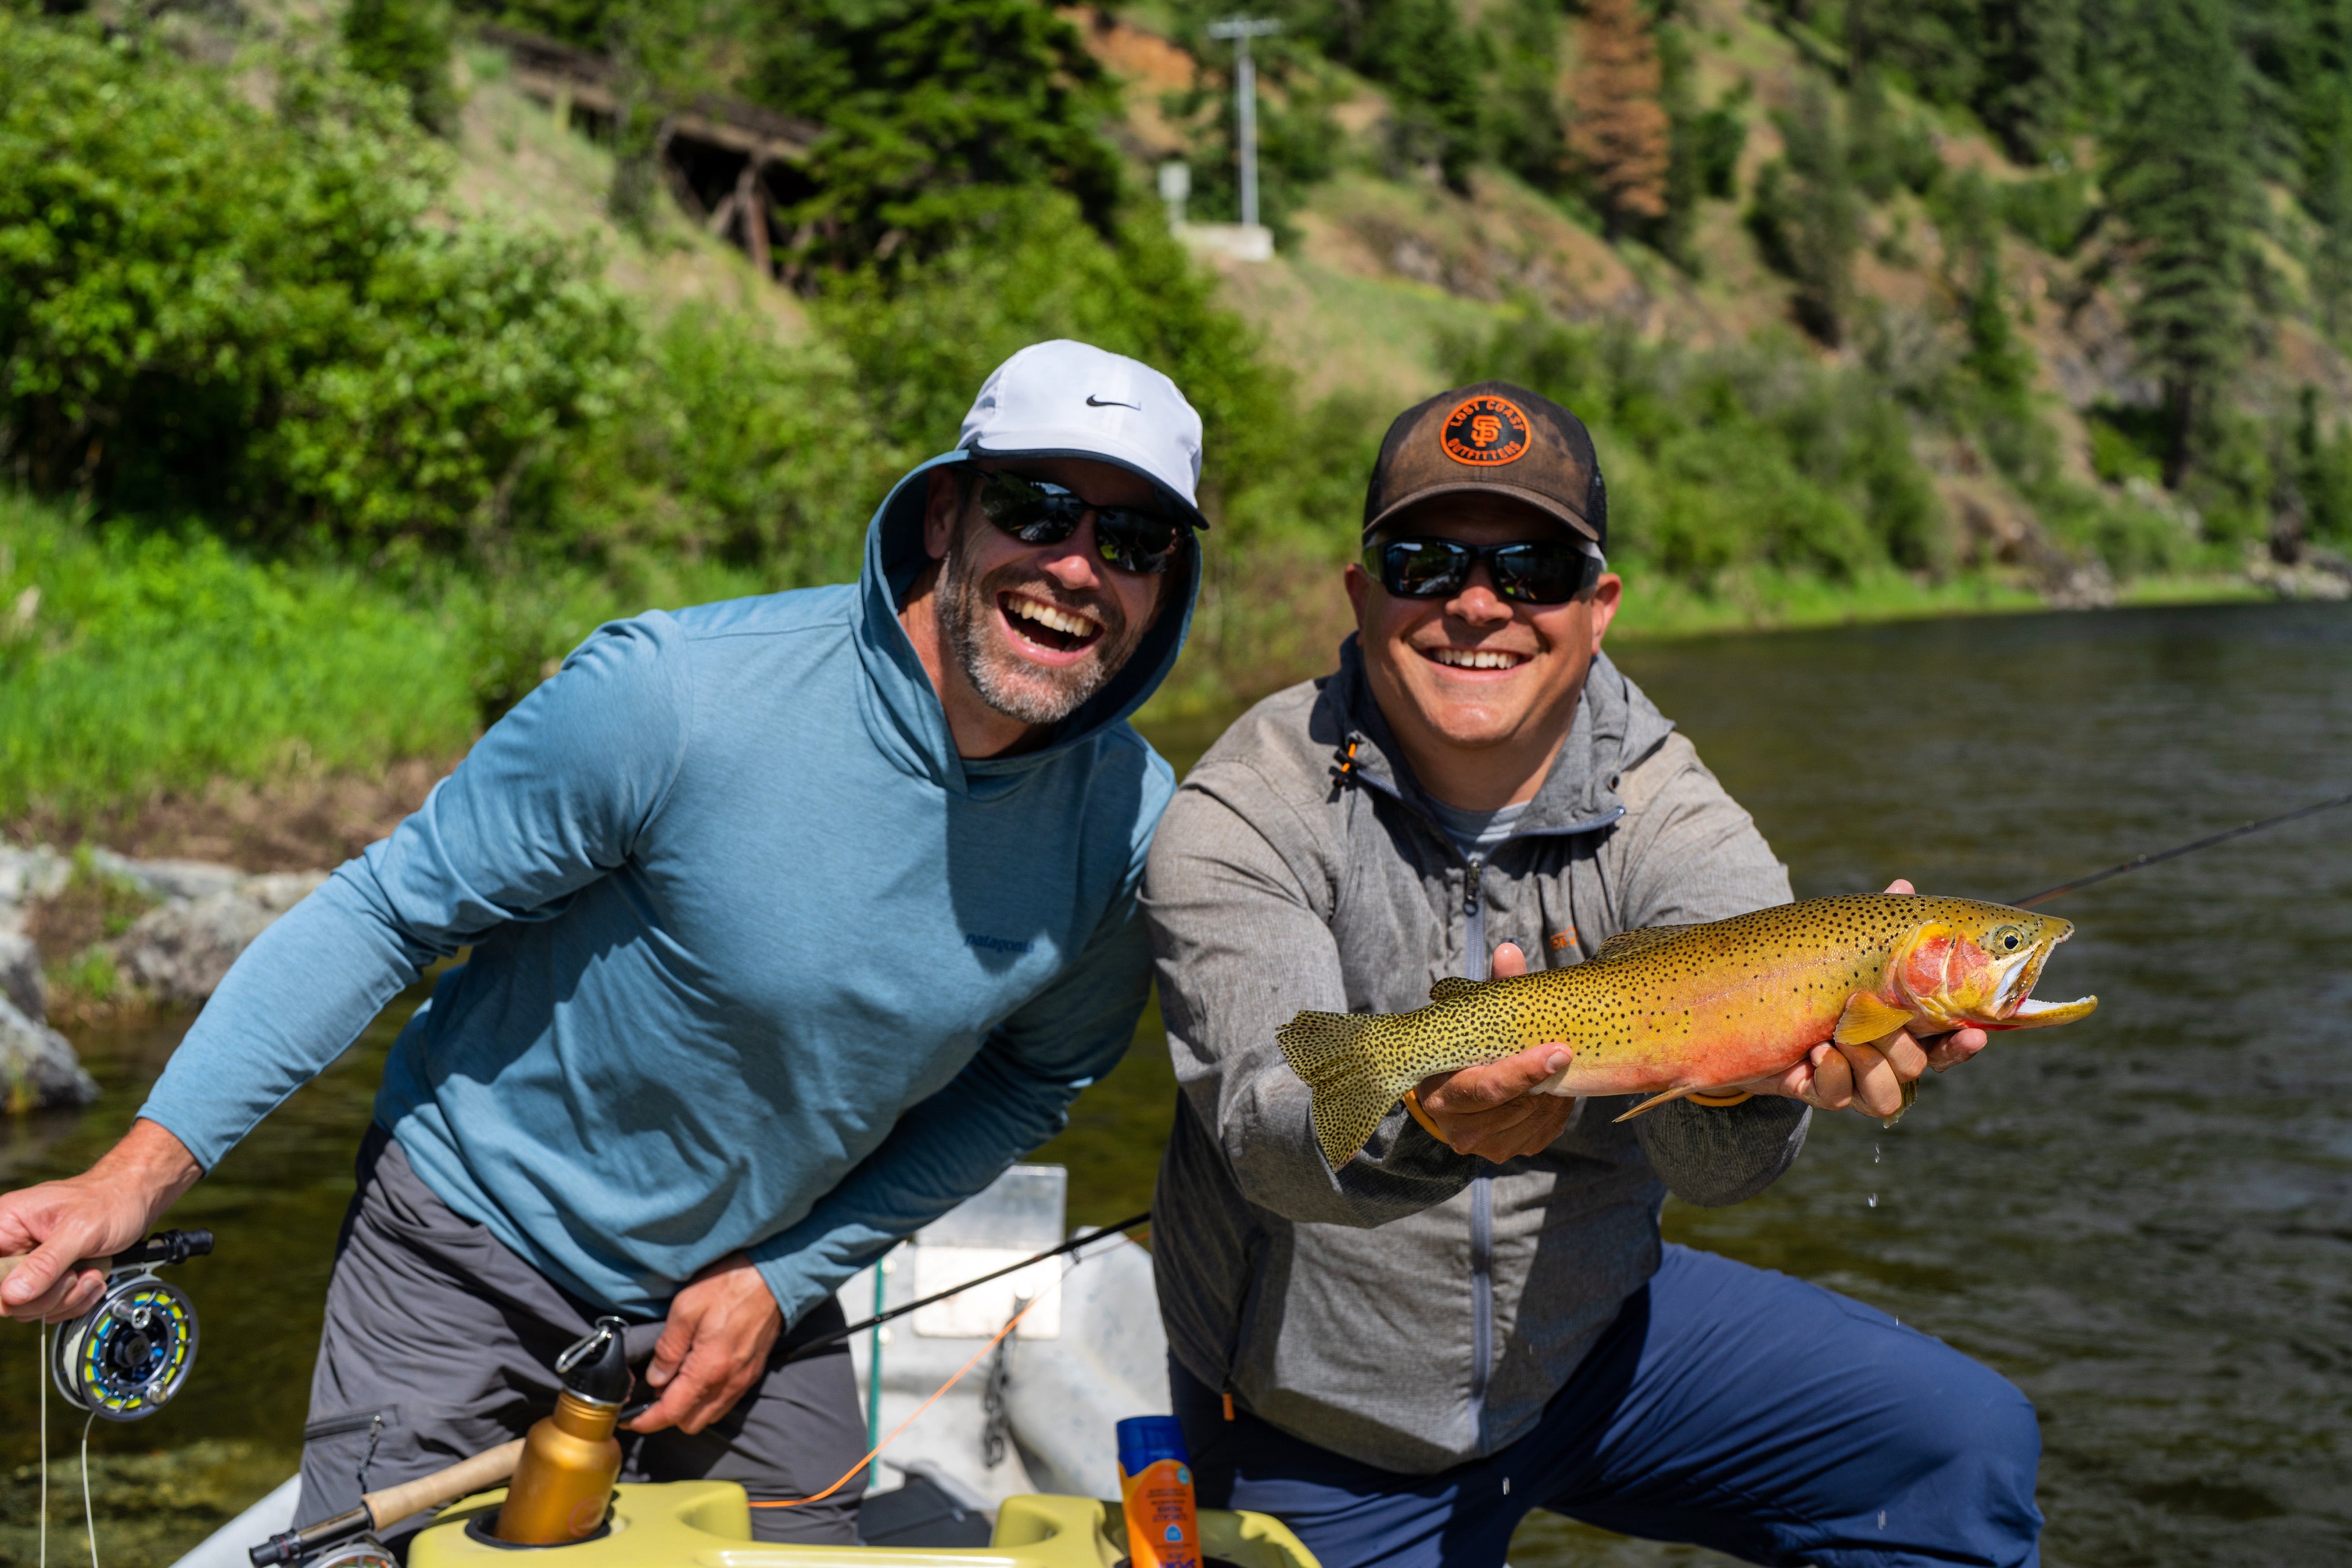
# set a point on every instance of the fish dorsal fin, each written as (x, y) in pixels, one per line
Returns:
(1866, 1018)
(1451, 988)
(1626, 942)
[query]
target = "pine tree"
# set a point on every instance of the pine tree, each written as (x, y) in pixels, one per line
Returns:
(1429, 63)
(1807, 218)
(1685, 178)
(2181, 183)
(1620, 134)
(2328, 194)
(2027, 91)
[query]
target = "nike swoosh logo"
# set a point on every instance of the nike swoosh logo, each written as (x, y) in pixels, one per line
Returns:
(1094, 402)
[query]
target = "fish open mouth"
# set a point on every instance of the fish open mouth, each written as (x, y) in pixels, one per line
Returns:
(2014, 1005)
(2017, 983)
(1051, 627)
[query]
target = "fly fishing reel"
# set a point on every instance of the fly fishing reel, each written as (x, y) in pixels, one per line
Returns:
(126, 1357)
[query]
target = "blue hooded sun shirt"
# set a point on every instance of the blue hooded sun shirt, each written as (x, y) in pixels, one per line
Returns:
(757, 961)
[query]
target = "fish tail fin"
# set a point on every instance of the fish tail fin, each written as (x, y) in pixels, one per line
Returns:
(1654, 1101)
(1351, 1095)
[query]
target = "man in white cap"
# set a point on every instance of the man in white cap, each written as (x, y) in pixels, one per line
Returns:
(795, 920)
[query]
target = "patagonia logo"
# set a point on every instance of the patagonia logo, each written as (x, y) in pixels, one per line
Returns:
(1486, 430)
(987, 944)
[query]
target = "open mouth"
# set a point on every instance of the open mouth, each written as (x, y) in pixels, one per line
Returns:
(1049, 627)
(1473, 658)
(2017, 985)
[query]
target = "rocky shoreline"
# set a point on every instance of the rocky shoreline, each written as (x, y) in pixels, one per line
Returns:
(197, 917)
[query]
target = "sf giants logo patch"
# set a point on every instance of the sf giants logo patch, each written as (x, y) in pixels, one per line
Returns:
(1486, 430)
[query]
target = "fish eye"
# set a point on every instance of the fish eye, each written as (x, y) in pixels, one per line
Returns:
(2008, 939)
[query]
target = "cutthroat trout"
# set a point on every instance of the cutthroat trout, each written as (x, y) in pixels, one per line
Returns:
(1678, 1009)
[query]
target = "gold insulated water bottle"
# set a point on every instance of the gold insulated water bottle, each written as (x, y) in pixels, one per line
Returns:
(563, 1484)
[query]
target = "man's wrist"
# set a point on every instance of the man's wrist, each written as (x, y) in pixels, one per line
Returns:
(150, 1158)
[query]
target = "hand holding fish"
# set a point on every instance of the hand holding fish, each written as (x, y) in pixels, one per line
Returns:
(1489, 1109)
(1868, 1077)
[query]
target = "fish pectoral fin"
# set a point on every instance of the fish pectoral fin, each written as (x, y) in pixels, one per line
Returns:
(1867, 1018)
(1654, 1101)
(1626, 942)
(1451, 988)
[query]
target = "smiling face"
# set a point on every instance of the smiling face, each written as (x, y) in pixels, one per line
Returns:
(1478, 689)
(1036, 629)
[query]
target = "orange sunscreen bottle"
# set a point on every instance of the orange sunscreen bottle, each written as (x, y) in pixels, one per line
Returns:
(1155, 1483)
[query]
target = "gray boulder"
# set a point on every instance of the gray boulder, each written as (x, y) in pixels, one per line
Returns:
(180, 951)
(169, 880)
(39, 1069)
(26, 875)
(20, 976)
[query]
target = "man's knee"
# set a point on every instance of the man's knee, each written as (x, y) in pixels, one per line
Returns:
(1965, 1443)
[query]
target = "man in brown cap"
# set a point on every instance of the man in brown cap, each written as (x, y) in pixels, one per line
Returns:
(1476, 1317)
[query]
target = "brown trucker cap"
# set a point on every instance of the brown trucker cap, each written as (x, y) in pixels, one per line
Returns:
(1494, 437)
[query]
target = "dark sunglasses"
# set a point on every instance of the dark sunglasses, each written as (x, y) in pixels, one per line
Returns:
(1533, 571)
(1131, 538)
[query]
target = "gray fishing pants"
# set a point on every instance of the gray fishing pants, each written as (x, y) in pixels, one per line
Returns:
(440, 1343)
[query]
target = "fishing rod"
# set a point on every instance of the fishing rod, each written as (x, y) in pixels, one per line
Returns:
(1072, 1245)
(2207, 842)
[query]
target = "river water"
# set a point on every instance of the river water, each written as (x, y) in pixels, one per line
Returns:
(2145, 1220)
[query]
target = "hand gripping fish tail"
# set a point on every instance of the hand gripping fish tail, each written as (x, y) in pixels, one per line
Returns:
(1671, 1011)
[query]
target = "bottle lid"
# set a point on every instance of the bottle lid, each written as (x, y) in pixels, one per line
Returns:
(1144, 1440)
(597, 1367)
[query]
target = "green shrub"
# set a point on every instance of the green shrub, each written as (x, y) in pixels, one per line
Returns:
(208, 307)
(923, 343)
(1731, 459)
(2121, 447)
(732, 448)
(2052, 211)
(1719, 137)
(405, 44)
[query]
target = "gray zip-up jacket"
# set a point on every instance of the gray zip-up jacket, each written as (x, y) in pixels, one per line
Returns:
(1418, 1308)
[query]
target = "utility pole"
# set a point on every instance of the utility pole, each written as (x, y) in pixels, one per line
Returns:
(1240, 30)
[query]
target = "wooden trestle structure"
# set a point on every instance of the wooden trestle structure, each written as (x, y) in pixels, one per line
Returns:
(727, 163)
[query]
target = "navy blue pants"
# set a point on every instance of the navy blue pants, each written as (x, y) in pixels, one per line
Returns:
(1731, 1406)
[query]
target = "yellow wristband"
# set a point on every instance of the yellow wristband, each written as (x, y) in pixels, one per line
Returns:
(1721, 1099)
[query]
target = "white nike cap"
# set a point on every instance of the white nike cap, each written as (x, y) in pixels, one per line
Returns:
(1064, 399)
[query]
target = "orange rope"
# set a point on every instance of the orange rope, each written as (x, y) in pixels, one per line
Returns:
(851, 1474)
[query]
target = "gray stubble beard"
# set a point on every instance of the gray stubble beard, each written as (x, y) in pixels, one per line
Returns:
(1027, 694)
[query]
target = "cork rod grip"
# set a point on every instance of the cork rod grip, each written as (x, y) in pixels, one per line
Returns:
(487, 1469)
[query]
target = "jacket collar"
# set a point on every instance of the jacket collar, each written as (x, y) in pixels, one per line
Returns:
(1615, 725)
(900, 709)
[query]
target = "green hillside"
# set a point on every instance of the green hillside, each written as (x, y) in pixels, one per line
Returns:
(355, 372)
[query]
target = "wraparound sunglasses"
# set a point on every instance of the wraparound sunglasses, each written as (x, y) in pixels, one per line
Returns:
(1532, 572)
(1038, 512)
